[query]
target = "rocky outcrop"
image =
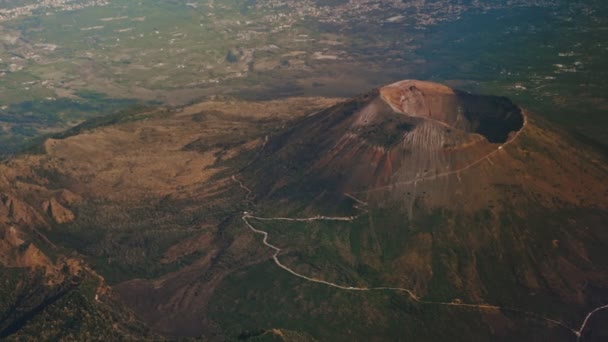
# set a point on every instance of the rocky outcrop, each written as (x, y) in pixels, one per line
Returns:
(15, 251)
(14, 211)
(57, 212)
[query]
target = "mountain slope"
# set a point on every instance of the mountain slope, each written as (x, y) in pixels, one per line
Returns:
(468, 199)
(412, 212)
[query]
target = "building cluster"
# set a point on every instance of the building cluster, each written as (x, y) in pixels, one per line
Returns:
(48, 6)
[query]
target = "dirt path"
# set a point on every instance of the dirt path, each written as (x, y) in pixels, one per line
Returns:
(361, 206)
(242, 186)
(409, 292)
(579, 332)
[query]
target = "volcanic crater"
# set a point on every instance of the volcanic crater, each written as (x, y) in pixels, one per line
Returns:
(396, 134)
(495, 118)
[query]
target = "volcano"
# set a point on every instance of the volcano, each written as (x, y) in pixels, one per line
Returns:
(404, 131)
(412, 212)
(423, 137)
(468, 199)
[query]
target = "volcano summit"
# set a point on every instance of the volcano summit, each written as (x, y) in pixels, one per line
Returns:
(493, 117)
(406, 131)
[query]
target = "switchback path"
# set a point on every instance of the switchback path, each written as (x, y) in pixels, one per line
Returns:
(361, 206)
(409, 292)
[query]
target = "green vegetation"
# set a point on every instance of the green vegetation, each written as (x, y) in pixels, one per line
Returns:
(28, 120)
(133, 113)
(554, 66)
(264, 297)
(133, 242)
(363, 253)
(33, 310)
(175, 53)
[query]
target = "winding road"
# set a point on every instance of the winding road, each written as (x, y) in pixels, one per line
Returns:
(579, 332)
(361, 206)
(409, 292)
